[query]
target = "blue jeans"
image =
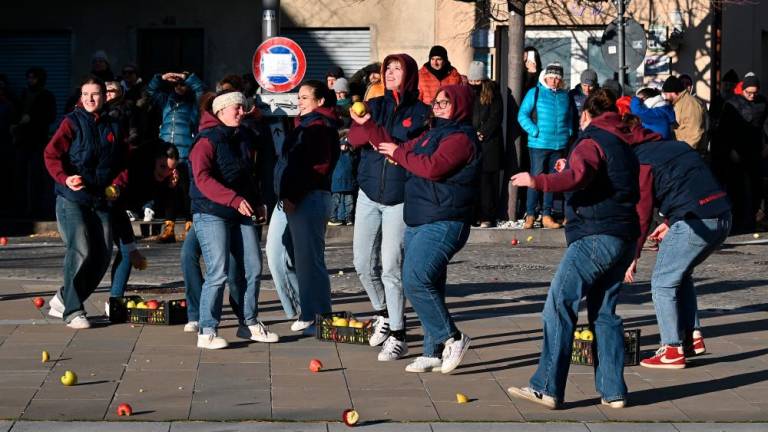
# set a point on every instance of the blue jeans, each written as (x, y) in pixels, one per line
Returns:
(342, 206)
(687, 244)
(299, 273)
(226, 243)
(378, 239)
(193, 279)
(428, 250)
(87, 236)
(594, 267)
(542, 162)
(121, 271)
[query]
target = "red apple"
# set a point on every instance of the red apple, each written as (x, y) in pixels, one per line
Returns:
(153, 304)
(124, 410)
(315, 365)
(38, 302)
(183, 303)
(3, 241)
(513, 242)
(350, 417)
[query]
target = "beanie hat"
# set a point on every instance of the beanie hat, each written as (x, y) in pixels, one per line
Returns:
(751, 80)
(227, 99)
(673, 85)
(99, 55)
(341, 85)
(589, 77)
(438, 51)
(476, 71)
(335, 72)
(731, 76)
(614, 87)
(554, 70)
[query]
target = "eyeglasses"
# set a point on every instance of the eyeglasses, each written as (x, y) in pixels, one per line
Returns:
(749, 93)
(442, 104)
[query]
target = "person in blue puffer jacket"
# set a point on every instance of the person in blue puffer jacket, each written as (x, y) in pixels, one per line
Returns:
(547, 115)
(654, 112)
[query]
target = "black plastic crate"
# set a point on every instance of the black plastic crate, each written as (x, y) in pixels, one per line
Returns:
(326, 331)
(118, 313)
(170, 312)
(583, 350)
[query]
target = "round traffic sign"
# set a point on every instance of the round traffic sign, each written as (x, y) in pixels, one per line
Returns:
(279, 64)
(635, 44)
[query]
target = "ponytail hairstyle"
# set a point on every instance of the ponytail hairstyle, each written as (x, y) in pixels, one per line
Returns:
(320, 90)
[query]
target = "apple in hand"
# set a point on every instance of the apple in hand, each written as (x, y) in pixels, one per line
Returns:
(124, 410)
(69, 378)
(315, 365)
(38, 302)
(350, 417)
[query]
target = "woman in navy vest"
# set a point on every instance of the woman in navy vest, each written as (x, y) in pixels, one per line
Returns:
(397, 117)
(85, 156)
(225, 204)
(601, 185)
(674, 179)
(443, 178)
(302, 183)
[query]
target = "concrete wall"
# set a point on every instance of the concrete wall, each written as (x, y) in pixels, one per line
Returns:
(745, 48)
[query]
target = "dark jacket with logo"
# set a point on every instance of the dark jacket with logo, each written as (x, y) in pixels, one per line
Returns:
(88, 145)
(306, 157)
(222, 160)
(601, 181)
(443, 166)
(395, 117)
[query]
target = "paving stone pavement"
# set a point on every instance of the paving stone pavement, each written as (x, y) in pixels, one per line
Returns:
(496, 293)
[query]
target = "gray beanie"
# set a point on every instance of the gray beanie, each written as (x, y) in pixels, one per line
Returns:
(589, 77)
(341, 85)
(476, 71)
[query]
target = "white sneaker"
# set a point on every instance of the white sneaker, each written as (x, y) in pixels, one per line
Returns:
(131, 215)
(149, 214)
(257, 332)
(618, 403)
(57, 307)
(211, 341)
(191, 327)
(393, 349)
(454, 351)
(425, 364)
(300, 325)
(533, 396)
(79, 322)
(380, 331)
(106, 308)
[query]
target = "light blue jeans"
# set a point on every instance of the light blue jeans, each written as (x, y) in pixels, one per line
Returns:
(296, 256)
(594, 267)
(218, 237)
(687, 244)
(378, 239)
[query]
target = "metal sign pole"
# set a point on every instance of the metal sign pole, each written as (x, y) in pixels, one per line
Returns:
(622, 58)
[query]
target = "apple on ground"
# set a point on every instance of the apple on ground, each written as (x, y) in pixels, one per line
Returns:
(124, 410)
(461, 398)
(45, 356)
(3, 241)
(513, 242)
(350, 417)
(69, 378)
(38, 302)
(315, 365)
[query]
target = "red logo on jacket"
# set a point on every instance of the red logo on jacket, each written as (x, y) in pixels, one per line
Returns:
(111, 137)
(407, 122)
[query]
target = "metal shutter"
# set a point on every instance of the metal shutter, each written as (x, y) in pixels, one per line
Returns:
(51, 51)
(349, 49)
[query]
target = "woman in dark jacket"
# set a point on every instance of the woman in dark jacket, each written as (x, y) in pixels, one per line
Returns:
(302, 183)
(225, 204)
(443, 168)
(85, 157)
(487, 114)
(397, 117)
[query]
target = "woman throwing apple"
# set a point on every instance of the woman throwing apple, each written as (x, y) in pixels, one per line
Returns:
(225, 202)
(396, 117)
(86, 158)
(443, 167)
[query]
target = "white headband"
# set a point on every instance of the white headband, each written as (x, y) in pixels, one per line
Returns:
(227, 99)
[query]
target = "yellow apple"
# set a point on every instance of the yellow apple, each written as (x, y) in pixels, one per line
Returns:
(587, 335)
(359, 108)
(341, 322)
(461, 398)
(69, 378)
(45, 356)
(130, 304)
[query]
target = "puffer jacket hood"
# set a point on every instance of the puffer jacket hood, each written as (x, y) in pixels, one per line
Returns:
(611, 123)
(656, 101)
(208, 121)
(462, 100)
(328, 112)
(410, 83)
(541, 81)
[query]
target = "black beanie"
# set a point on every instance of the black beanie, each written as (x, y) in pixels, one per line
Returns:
(438, 51)
(673, 85)
(335, 72)
(731, 76)
(751, 80)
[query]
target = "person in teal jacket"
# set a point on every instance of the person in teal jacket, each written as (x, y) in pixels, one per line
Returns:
(547, 115)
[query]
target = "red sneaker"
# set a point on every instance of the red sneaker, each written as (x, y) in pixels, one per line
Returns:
(666, 357)
(695, 345)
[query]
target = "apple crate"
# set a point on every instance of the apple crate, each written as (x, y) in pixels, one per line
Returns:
(583, 351)
(118, 313)
(325, 331)
(170, 312)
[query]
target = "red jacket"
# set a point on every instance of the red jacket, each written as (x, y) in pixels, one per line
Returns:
(429, 84)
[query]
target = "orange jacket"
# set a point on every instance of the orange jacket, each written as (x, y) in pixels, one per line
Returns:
(429, 85)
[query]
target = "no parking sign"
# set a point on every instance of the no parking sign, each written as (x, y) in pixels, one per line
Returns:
(279, 64)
